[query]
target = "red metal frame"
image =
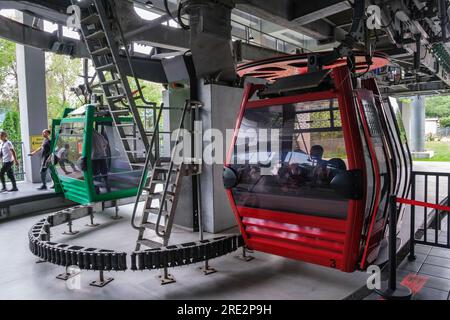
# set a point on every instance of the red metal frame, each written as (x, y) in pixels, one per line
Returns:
(325, 241)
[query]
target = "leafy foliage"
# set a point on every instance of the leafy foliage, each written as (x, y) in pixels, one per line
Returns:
(11, 124)
(62, 73)
(444, 122)
(8, 76)
(437, 106)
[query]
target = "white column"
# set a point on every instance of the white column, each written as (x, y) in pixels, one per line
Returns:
(418, 124)
(32, 100)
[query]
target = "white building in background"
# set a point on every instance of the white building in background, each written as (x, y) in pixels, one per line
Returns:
(431, 126)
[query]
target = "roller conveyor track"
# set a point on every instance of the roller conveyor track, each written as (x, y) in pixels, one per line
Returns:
(96, 259)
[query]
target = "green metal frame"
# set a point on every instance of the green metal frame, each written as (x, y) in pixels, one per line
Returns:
(83, 191)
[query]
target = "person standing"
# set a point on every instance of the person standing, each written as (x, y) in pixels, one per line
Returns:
(9, 158)
(63, 159)
(45, 156)
(99, 158)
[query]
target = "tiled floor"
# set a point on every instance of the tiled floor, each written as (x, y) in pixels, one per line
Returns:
(428, 276)
(433, 264)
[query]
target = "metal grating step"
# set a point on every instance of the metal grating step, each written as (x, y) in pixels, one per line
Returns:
(149, 243)
(152, 226)
(160, 194)
(107, 67)
(96, 35)
(117, 97)
(94, 18)
(101, 52)
(111, 82)
(155, 211)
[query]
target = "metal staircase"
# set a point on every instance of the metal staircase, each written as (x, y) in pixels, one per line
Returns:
(97, 27)
(160, 204)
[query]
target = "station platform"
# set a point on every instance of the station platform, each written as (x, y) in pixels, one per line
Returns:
(29, 200)
(267, 277)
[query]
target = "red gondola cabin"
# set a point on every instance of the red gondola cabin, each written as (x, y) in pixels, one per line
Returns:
(318, 192)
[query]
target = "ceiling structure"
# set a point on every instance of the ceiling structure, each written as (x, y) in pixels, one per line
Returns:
(410, 32)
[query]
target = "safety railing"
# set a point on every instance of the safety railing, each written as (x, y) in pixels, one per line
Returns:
(443, 132)
(430, 203)
(430, 198)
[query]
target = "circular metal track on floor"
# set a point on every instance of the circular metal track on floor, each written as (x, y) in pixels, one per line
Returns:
(88, 258)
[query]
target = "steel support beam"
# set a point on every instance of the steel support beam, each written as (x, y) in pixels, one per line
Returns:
(146, 69)
(310, 11)
(424, 88)
(26, 35)
(283, 14)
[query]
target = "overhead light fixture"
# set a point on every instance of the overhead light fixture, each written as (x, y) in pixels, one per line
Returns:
(149, 4)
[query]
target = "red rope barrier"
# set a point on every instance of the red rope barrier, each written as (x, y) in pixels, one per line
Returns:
(423, 204)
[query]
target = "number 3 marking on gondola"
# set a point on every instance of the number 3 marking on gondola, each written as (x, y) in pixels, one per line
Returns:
(333, 263)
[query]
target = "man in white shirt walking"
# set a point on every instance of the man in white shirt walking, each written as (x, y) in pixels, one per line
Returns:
(9, 158)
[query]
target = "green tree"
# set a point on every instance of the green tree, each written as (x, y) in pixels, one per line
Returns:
(152, 93)
(62, 74)
(8, 75)
(444, 122)
(437, 106)
(11, 125)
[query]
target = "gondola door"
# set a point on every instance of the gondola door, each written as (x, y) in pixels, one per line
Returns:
(376, 207)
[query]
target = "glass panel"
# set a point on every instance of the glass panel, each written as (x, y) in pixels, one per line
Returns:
(110, 165)
(69, 149)
(296, 175)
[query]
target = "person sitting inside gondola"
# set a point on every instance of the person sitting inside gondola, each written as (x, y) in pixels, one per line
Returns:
(99, 160)
(320, 171)
(316, 154)
(325, 170)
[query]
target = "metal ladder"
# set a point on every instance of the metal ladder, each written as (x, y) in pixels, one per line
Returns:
(165, 172)
(96, 30)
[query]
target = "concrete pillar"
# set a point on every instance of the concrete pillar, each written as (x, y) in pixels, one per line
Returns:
(418, 124)
(32, 100)
(221, 107)
(220, 112)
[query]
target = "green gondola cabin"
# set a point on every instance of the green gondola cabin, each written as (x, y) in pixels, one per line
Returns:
(89, 161)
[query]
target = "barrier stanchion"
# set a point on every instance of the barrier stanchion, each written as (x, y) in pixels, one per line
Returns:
(390, 290)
